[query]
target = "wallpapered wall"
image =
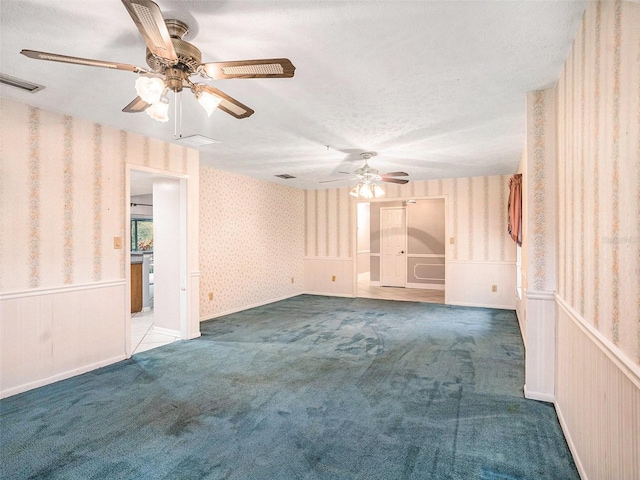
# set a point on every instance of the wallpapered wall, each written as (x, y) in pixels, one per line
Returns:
(481, 256)
(62, 202)
(62, 195)
(477, 217)
(598, 97)
(251, 242)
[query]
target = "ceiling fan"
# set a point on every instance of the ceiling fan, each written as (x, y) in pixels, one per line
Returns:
(368, 177)
(172, 62)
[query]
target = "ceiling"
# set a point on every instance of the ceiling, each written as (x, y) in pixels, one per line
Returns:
(436, 89)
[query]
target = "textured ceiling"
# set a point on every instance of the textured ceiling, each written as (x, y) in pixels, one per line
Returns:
(436, 89)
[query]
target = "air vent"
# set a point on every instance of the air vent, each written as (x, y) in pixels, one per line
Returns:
(21, 84)
(286, 176)
(196, 141)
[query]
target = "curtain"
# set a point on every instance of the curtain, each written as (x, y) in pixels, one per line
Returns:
(515, 208)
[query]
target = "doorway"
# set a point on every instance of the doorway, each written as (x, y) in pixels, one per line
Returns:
(156, 260)
(413, 273)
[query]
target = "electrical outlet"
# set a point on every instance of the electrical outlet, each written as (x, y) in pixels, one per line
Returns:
(494, 288)
(210, 296)
(452, 240)
(333, 278)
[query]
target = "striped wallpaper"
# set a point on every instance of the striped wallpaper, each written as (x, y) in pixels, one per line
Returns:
(477, 217)
(62, 195)
(599, 170)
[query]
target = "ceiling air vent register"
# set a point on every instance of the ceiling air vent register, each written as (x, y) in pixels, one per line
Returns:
(19, 83)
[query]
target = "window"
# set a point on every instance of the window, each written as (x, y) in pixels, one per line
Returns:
(141, 234)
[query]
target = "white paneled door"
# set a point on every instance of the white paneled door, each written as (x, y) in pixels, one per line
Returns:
(393, 239)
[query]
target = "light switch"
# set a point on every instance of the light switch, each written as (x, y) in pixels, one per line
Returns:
(452, 240)
(117, 243)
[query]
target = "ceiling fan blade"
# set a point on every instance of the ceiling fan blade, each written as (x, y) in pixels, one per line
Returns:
(228, 104)
(137, 105)
(338, 180)
(396, 174)
(264, 68)
(394, 180)
(148, 18)
(54, 57)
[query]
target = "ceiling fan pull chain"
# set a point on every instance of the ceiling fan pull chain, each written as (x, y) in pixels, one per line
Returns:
(177, 115)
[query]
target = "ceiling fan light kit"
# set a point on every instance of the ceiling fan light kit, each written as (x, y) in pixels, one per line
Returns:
(367, 190)
(150, 88)
(208, 101)
(173, 61)
(160, 110)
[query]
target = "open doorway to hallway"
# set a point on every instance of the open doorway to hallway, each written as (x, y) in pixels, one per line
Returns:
(424, 252)
(156, 243)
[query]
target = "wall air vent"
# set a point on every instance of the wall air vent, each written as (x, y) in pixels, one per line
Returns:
(286, 176)
(21, 84)
(196, 141)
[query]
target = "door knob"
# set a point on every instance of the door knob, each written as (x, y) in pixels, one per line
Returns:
(401, 251)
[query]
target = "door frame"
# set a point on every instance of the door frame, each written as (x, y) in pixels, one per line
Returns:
(185, 293)
(354, 235)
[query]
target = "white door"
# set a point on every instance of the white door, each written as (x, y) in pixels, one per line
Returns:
(393, 246)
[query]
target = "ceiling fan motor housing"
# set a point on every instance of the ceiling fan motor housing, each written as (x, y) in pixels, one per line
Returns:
(189, 57)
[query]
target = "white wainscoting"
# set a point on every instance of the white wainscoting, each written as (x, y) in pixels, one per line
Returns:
(319, 273)
(597, 400)
(51, 334)
(469, 284)
(540, 353)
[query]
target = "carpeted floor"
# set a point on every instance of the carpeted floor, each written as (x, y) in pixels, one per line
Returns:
(306, 388)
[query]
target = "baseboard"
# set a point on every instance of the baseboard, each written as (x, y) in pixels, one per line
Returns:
(542, 397)
(247, 307)
(480, 305)
(426, 286)
(166, 331)
(330, 294)
(572, 447)
(60, 376)
(374, 283)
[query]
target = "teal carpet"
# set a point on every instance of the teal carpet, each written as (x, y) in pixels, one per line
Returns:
(306, 388)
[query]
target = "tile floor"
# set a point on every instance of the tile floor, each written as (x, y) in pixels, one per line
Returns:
(401, 294)
(143, 337)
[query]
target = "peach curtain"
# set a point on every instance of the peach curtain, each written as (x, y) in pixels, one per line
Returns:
(515, 208)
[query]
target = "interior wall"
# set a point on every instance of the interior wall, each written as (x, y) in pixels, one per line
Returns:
(481, 255)
(521, 251)
(329, 243)
(62, 203)
(598, 371)
(251, 243)
(166, 255)
(364, 244)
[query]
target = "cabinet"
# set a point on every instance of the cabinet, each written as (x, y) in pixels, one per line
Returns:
(136, 287)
